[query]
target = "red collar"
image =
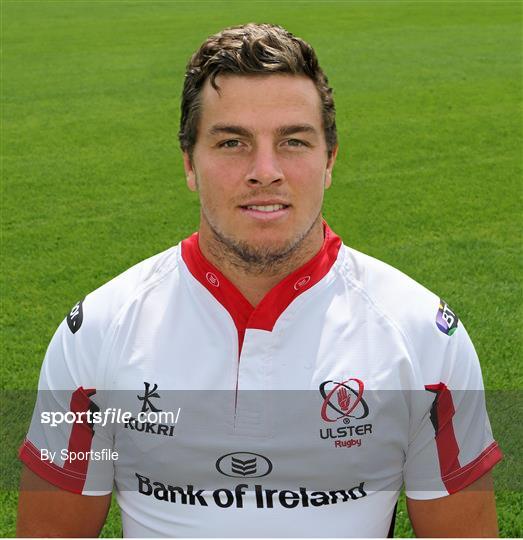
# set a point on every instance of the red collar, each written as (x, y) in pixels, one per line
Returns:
(276, 301)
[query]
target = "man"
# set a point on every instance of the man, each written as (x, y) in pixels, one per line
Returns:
(310, 381)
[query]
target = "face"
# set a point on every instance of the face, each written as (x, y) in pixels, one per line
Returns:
(260, 162)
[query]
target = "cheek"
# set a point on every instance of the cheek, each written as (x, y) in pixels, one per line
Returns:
(213, 189)
(308, 179)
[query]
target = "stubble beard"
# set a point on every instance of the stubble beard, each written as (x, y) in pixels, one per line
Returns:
(254, 260)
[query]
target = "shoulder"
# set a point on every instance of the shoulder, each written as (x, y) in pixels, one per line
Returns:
(91, 320)
(105, 303)
(393, 294)
(426, 324)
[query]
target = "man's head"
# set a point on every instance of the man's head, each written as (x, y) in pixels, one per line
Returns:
(259, 142)
(251, 49)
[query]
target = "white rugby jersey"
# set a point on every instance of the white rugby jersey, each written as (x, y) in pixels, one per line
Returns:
(301, 417)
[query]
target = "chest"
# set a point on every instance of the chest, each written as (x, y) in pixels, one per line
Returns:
(296, 406)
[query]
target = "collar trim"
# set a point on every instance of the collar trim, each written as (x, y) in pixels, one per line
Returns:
(277, 300)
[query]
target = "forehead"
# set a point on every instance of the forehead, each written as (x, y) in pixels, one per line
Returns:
(261, 101)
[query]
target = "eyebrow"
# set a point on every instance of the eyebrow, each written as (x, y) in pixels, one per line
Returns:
(283, 131)
(219, 129)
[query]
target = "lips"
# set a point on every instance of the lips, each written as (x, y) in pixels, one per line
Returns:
(265, 206)
(265, 210)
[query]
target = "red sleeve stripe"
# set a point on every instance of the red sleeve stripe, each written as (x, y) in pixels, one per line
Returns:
(68, 480)
(469, 473)
(446, 443)
(82, 433)
(454, 476)
(72, 475)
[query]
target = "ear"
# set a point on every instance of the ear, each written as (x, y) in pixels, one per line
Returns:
(190, 175)
(330, 166)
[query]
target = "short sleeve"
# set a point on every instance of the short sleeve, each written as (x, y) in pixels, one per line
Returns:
(64, 444)
(451, 443)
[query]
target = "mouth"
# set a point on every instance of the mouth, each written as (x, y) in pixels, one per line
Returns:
(266, 211)
(267, 208)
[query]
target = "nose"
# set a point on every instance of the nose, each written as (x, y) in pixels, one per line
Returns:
(264, 168)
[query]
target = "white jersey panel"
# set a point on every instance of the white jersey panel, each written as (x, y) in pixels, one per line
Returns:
(305, 420)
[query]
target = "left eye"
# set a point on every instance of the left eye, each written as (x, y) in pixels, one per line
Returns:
(232, 143)
(295, 142)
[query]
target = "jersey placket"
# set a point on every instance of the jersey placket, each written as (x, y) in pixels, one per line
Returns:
(257, 343)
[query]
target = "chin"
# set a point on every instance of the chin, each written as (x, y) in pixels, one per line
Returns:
(270, 245)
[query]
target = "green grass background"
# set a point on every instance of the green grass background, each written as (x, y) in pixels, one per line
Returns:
(428, 177)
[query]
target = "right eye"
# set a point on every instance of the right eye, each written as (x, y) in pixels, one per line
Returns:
(231, 143)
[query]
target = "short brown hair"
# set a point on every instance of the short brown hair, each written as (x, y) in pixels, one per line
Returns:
(251, 49)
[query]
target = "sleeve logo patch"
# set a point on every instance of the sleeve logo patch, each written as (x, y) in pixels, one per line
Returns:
(446, 319)
(75, 317)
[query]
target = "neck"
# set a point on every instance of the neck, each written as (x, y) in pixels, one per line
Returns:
(255, 278)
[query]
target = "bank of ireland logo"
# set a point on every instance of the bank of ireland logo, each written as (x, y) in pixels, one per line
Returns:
(343, 400)
(147, 404)
(244, 465)
(446, 319)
